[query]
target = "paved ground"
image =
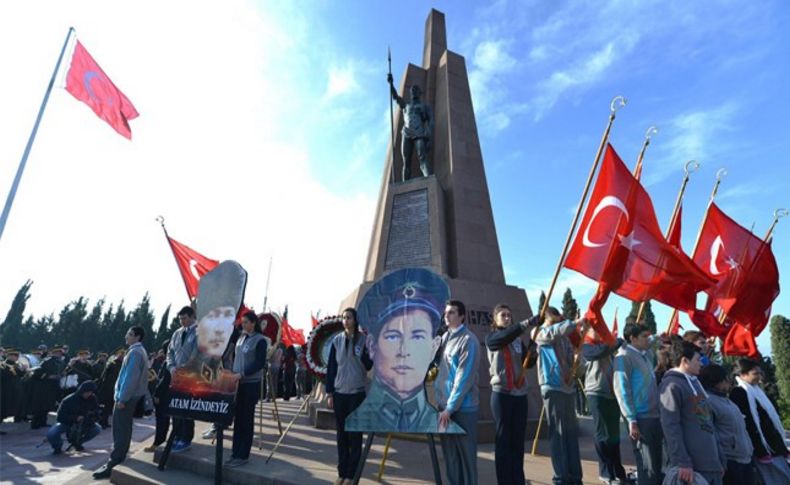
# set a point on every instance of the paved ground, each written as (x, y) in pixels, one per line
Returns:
(23, 461)
(308, 455)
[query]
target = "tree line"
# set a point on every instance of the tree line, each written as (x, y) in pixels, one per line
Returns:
(100, 326)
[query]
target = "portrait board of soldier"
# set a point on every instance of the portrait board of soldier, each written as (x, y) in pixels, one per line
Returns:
(401, 315)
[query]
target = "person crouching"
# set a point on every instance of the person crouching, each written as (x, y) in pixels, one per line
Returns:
(77, 416)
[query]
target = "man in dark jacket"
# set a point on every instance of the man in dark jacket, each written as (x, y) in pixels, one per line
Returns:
(107, 385)
(77, 416)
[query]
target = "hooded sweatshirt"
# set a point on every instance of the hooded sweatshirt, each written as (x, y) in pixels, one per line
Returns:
(731, 428)
(635, 384)
(687, 422)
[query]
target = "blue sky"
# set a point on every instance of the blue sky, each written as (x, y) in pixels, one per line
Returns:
(272, 117)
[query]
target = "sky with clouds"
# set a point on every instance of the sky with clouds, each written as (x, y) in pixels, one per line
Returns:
(263, 129)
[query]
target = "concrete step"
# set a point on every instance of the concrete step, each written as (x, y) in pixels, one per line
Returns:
(140, 470)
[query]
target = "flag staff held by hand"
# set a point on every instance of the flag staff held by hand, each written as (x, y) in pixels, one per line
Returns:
(15, 185)
(648, 135)
(720, 174)
(690, 167)
(617, 103)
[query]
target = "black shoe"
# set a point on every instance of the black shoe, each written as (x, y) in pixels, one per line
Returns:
(103, 472)
(56, 451)
(79, 448)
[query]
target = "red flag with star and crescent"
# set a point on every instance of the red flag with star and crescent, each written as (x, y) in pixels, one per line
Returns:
(620, 243)
(744, 268)
(87, 82)
(192, 265)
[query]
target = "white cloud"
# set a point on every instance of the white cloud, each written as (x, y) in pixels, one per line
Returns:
(694, 135)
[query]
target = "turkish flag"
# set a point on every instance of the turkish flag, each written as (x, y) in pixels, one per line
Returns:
(314, 320)
(620, 243)
(740, 341)
(595, 317)
(291, 336)
(192, 265)
(614, 325)
(87, 82)
(744, 267)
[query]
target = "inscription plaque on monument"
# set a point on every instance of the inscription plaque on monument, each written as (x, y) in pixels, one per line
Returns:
(410, 233)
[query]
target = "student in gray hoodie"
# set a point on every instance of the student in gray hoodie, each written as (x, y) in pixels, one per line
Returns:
(730, 426)
(599, 388)
(556, 369)
(687, 420)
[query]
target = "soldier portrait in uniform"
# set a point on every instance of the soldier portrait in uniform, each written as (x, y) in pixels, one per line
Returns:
(401, 314)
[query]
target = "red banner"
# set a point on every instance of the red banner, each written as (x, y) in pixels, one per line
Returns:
(87, 82)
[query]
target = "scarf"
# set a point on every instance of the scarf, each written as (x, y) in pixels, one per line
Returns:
(755, 395)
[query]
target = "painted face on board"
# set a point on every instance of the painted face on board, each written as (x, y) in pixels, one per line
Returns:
(403, 351)
(214, 331)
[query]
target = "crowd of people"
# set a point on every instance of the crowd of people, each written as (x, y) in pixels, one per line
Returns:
(688, 418)
(92, 393)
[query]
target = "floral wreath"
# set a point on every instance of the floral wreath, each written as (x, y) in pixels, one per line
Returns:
(319, 337)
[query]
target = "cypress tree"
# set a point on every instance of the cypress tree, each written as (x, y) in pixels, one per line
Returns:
(780, 351)
(569, 306)
(12, 331)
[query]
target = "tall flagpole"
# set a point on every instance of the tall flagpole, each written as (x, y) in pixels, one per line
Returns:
(268, 276)
(617, 103)
(690, 167)
(15, 185)
(719, 175)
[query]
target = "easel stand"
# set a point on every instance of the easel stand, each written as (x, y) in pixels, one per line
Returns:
(437, 476)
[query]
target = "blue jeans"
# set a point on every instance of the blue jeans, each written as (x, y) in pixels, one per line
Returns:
(55, 438)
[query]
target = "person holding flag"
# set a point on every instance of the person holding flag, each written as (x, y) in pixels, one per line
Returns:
(599, 389)
(556, 369)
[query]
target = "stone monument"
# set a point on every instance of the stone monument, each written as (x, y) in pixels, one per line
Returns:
(444, 221)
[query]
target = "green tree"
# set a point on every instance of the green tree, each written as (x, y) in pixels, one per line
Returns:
(648, 318)
(92, 327)
(142, 316)
(570, 309)
(769, 381)
(541, 302)
(162, 330)
(12, 331)
(780, 352)
(69, 329)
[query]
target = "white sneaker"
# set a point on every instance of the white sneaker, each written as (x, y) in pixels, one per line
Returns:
(209, 434)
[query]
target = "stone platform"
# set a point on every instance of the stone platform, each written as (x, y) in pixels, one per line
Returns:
(308, 455)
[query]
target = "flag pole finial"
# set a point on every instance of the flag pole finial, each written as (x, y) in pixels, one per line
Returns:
(160, 220)
(720, 174)
(650, 132)
(779, 213)
(617, 103)
(690, 167)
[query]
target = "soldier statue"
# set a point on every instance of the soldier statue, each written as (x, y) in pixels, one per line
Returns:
(417, 128)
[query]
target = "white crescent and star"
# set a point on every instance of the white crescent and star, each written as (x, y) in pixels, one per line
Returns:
(628, 241)
(715, 247)
(193, 268)
(86, 81)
